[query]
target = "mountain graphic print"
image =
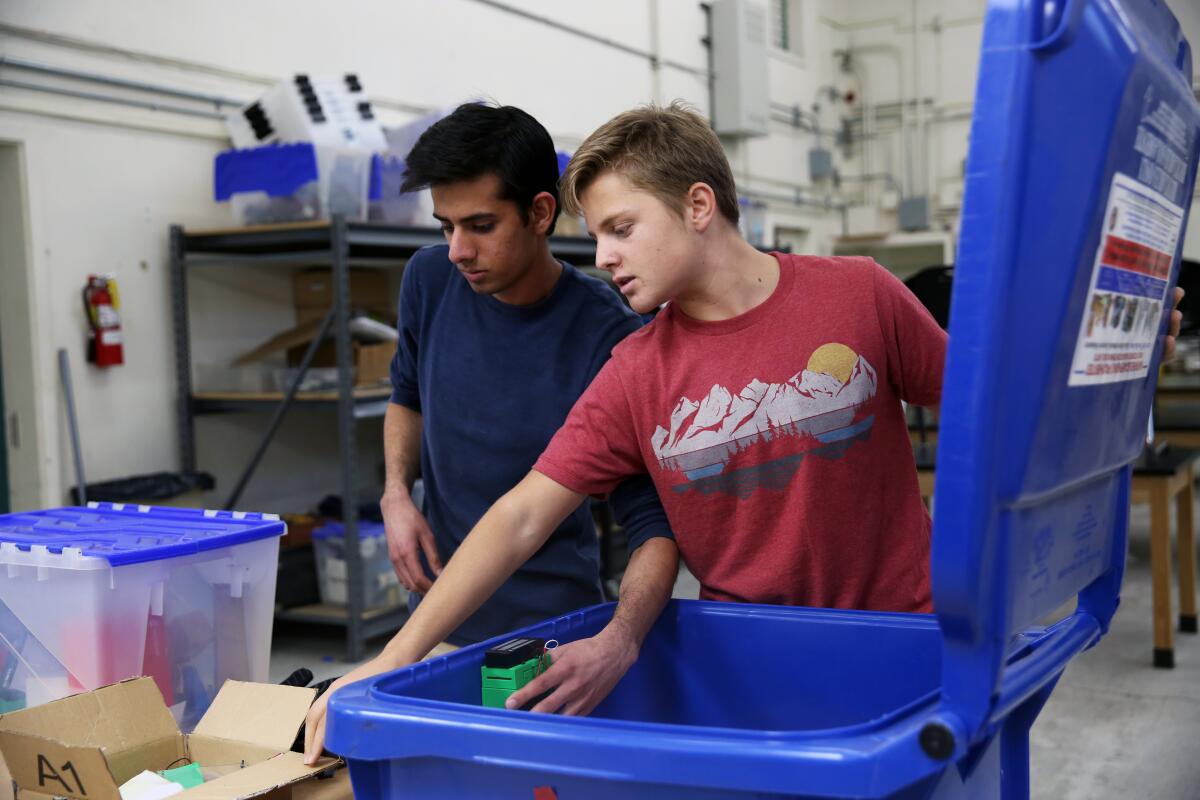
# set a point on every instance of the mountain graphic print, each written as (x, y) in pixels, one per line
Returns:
(720, 444)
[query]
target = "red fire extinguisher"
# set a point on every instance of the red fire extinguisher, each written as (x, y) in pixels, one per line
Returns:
(102, 304)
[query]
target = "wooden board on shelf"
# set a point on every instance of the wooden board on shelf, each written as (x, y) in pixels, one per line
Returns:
(274, 226)
(361, 393)
(330, 611)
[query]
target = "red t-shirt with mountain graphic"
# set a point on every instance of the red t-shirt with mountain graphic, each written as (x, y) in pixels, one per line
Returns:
(776, 439)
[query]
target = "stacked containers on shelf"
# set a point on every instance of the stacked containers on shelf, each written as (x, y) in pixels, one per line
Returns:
(380, 587)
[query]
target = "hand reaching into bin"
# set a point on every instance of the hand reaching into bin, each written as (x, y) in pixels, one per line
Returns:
(409, 536)
(581, 675)
(507, 535)
(314, 723)
(584, 672)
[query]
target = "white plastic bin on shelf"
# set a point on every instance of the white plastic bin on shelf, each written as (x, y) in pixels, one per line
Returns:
(380, 586)
(89, 596)
(293, 182)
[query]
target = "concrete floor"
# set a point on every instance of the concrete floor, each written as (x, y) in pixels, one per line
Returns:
(1115, 727)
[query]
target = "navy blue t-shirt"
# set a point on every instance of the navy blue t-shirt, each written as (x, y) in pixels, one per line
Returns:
(493, 382)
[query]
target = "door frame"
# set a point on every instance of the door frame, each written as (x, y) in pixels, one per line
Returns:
(21, 439)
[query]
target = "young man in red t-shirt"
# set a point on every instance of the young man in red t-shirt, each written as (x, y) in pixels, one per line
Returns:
(763, 401)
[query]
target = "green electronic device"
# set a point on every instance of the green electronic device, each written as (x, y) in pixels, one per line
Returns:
(509, 666)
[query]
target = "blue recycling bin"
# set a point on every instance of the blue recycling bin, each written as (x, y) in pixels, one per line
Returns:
(1081, 168)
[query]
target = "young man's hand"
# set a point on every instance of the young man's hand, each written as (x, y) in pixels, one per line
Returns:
(314, 723)
(408, 535)
(1173, 328)
(581, 674)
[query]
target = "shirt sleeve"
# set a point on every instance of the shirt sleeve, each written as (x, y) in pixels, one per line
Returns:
(596, 447)
(638, 510)
(915, 343)
(405, 388)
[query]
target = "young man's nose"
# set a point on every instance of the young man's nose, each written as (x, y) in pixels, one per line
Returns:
(462, 250)
(606, 257)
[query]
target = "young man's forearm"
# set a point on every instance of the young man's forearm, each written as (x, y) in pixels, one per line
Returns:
(401, 447)
(512, 530)
(645, 589)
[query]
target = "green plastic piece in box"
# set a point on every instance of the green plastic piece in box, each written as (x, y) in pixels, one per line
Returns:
(11, 700)
(499, 683)
(186, 776)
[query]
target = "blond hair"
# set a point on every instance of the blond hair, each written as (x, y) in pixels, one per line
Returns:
(659, 150)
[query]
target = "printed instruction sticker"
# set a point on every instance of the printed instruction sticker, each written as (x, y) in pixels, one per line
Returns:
(1128, 291)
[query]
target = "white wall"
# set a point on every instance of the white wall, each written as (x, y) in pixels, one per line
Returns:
(1188, 14)
(948, 34)
(104, 181)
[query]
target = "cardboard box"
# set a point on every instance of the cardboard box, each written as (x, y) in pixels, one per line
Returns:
(370, 290)
(372, 362)
(87, 745)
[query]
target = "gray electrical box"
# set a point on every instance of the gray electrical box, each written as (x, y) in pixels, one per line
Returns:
(739, 44)
(820, 163)
(913, 213)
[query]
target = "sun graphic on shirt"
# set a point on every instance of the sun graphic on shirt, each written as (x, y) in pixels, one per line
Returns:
(833, 359)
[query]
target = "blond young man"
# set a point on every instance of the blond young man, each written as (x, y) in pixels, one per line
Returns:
(763, 401)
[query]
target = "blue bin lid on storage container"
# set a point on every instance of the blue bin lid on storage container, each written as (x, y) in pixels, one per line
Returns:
(337, 530)
(129, 534)
(277, 169)
(1079, 177)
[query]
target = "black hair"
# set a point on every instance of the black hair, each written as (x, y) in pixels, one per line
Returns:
(477, 140)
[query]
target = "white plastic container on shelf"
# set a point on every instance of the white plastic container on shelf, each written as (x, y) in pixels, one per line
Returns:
(90, 596)
(293, 182)
(380, 586)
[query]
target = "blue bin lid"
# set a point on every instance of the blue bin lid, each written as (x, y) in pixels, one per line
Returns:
(130, 534)
(337, 530)
(277, 169)
(1080, 172)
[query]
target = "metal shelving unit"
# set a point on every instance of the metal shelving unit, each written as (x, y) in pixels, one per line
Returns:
(338, 244)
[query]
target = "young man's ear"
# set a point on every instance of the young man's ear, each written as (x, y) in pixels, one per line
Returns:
(541, 212)
(701, 206)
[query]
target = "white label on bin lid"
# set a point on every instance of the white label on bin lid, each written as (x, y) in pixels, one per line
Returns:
(1127, 295)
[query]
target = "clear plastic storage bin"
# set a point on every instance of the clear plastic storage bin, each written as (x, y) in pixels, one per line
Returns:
(89, 596)
(293, 182)
(380, 586)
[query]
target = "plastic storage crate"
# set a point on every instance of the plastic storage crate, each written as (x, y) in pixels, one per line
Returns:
(1081, 167)
(293, 182)
(380, 586)
(387, 203)
(89, 596)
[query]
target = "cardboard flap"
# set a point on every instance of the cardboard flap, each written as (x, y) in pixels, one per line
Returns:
(301, 334)
(117, 717)
(212, 752)
(282, 770)
(263, 714)
(43, 765)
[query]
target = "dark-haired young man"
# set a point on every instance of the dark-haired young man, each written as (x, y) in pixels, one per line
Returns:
(497, 342)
